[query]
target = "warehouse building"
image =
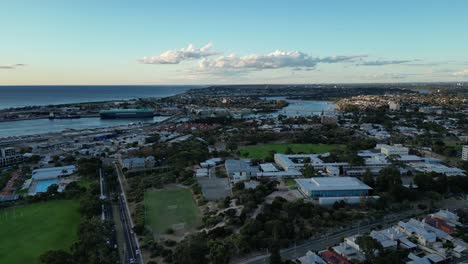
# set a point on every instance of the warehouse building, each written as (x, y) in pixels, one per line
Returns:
(328, 190)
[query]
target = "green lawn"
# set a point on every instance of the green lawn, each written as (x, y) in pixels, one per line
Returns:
(290, 182)
(165, 208)
(28, 231)
(263, 151)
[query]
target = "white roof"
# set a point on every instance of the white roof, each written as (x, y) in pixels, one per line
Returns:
(54, 172)
(311, 258)
(268, 167)
(332, 183)
(412, 226)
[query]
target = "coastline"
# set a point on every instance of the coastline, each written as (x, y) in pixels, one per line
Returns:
(85, 94)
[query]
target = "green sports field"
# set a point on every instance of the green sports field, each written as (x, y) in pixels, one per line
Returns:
(28, 231)
(171, 209)
(263, 151)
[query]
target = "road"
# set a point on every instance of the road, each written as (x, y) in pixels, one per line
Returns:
(132, 252)
(328, 240)
(107, 214)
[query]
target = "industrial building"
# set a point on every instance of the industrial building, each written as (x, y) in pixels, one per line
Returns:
(392, 150)
(240, 170)
(328, 190)
(53, 173)
(137, 163)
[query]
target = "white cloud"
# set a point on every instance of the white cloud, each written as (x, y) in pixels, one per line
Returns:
(273, 60)
(461, 73)
(12, 66)
(384, 62)
(177, 56)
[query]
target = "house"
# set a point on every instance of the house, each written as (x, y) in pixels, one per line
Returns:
(447, 216)
(349, 252)
(439, 224)
(424, 237)
(311, 258)
(332, 257)
(386, 239)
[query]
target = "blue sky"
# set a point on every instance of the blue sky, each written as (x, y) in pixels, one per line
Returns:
(147, 42)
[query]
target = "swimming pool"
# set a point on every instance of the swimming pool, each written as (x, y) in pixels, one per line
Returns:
(42, 186)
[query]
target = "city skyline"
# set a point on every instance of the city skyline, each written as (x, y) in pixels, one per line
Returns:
(179, 42)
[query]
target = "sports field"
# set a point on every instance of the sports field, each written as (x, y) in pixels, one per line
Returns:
(28, 231)
(174, 209)
(263, 151)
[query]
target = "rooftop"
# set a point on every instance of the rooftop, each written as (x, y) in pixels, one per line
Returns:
(333, 183)
(54, 172)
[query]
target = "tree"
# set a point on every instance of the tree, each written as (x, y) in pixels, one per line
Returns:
(369, 246)
(152, 139)
(219, 252)
(56, 257)
(90, 206)
(368, 178)
(193, 250)
(424, 181)
(308, 171)
(92, 247)
(275, 256)
(231, 145)
(89, 167)
(388, 178)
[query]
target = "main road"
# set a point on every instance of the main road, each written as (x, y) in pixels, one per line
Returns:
(133, 252)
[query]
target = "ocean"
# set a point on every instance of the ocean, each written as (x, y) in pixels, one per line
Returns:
(20, 96)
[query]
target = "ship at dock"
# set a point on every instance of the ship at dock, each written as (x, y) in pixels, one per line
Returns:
(126, 113)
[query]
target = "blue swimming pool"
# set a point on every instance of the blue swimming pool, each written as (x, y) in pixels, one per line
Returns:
(42, 186)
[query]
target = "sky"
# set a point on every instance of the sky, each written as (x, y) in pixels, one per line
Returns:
(105, 42)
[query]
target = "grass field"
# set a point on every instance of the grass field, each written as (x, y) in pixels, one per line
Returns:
(28, 231)
(166, 208)
(263, 151)
(290, 182)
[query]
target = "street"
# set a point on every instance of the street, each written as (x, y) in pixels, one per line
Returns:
(132, 252)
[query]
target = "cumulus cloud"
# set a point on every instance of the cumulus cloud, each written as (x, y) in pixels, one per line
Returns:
(384, 62)
(12, 66)
(177, 56)
(274, 60)
(461, 73)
